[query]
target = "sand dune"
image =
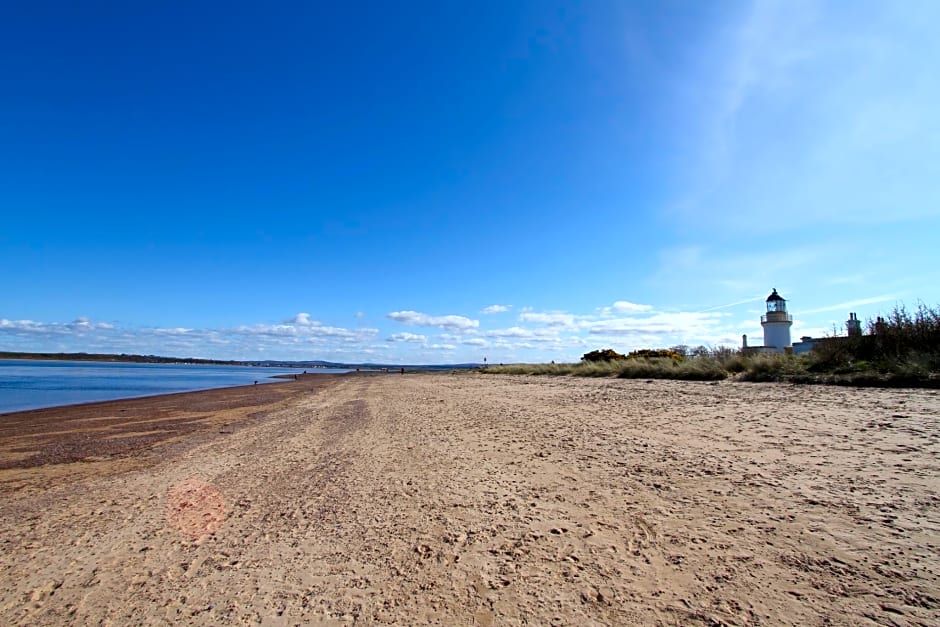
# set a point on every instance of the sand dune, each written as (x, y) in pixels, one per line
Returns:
(470, 499)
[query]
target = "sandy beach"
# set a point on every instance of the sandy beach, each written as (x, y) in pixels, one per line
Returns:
(471, 499)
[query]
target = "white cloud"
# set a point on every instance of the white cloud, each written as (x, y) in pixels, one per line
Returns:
(424, 320)
(301, 319)
(557, 335)
(309, 331)
(511, 332)
(555, 319)
(19, 325)
(496, 309)
(624, 306)
(679, 324)
(538, 335)
(300, 338)
(86, 324)
(171, 331)
(300, 328)
(77, 326)
(407, 337)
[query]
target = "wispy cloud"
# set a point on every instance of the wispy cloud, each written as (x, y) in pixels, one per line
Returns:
(492, 309)
(736, 303)
(839, 99)
(848, 305)
(701, 274)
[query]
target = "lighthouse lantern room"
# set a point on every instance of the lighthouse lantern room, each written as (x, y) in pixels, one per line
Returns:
(776, 323)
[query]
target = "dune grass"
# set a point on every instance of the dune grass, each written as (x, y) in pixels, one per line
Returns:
(741, 367)
(738, 367)
(901, 349)
(689, 370)
(903, 353)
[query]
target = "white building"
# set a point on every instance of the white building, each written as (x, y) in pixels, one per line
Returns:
(853, 328)
(776, 323)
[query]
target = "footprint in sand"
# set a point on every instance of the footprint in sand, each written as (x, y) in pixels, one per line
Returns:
(195, 508)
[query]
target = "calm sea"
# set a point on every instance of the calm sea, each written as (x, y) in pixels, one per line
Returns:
(26, 384)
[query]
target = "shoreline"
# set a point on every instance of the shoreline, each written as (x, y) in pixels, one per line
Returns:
(4, 414)
(40, 384)
(59, 434)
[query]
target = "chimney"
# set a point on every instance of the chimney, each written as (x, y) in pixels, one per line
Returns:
(852, 326)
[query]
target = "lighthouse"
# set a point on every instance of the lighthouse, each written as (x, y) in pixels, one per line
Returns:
(776, 323)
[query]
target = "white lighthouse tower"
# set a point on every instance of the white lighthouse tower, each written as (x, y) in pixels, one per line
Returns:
(776, 323)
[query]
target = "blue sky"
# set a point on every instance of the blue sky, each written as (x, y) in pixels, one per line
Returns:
(440, 182)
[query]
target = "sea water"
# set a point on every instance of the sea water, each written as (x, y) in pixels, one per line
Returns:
(28, 384)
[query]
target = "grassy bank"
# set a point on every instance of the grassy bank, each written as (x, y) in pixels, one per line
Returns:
(786, 368)
(690, 370)
(899, 350)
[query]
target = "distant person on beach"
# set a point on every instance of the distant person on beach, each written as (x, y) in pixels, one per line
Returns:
(403, 371)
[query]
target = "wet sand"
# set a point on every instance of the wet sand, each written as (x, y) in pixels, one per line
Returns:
(470, 499)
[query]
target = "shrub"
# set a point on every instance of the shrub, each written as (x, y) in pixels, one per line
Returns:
(647, 353)
(607, 354)
(901, 343)
(774, 367)
(531, 369)
(734, 363)
(669, 368)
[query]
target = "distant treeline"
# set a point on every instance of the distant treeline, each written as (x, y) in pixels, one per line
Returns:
(139, 359)
(155, 359)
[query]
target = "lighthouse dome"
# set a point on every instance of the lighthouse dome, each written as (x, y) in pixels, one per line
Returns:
(774, 296)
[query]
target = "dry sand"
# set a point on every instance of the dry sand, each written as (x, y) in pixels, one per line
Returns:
(470, 499)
